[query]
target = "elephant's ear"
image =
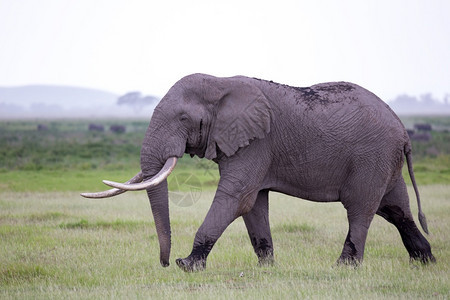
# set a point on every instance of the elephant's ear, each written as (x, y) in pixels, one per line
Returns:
(242, 115)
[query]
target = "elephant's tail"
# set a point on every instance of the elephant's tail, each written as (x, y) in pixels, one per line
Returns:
(422, 218)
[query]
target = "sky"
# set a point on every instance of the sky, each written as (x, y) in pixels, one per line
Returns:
(391, 47)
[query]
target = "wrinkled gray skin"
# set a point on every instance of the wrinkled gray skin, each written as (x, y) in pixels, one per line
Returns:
(326, 143)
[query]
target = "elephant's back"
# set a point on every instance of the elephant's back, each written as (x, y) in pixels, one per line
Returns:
(320, 98)
(342, 119)
(335, 95)
(342, 110)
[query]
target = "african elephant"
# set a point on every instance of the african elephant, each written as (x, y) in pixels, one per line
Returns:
(328, 142)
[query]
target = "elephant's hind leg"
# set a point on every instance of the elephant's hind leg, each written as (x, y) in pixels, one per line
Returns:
(353, 251)
(257, 223)
(395, 209)
(361, 203)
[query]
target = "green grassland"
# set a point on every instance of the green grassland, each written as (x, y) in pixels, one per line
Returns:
(68, 157)
(55, 244)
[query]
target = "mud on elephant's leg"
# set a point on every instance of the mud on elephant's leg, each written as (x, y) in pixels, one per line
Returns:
(395, 209)
(415, 243)
(257, 223)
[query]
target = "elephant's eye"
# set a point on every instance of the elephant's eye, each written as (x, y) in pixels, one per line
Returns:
(184, 118)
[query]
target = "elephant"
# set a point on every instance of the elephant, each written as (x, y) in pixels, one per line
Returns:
(331, 142)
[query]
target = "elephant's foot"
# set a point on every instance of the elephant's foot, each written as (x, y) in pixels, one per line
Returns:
(196, 261)
(190, 264)
(424, 258)
(266, 261)
(349, 261)
(265, 257)
(418, 247)
(353, 251)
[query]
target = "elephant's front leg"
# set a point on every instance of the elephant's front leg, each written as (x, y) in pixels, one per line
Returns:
(224, 210)
(241, 176)
(257, 223)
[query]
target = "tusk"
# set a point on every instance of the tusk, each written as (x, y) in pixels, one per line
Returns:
(113, 192)
(155, 180)
(104, 194)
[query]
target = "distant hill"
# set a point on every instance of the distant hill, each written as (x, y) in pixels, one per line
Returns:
(425, 105)
(47, 101)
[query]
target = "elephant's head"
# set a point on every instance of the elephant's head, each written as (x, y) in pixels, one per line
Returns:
(200, 115)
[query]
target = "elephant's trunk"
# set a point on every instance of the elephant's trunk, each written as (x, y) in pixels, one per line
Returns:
(153, 166)
(160, 208)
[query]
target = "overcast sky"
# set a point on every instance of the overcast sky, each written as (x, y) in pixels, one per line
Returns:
(388, 46)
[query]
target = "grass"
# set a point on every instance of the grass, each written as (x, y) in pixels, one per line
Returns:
(430, 170)
(58, 245)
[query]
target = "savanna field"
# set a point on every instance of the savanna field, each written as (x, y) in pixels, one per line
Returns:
(58, 245)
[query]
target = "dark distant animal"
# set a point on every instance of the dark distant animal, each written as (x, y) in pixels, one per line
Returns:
(96, 127)
(42, 127)
(423, 127)
(326, 143)
(117, 128)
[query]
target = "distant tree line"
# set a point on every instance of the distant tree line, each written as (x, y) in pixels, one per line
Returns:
(136, 100)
